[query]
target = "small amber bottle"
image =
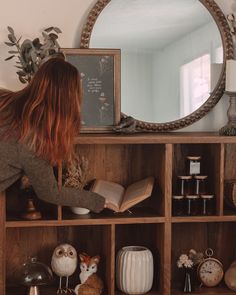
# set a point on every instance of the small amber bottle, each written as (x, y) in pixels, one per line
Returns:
(192, 205)
(177, 205)
(207, 204)
(184, 185)
(200, 184)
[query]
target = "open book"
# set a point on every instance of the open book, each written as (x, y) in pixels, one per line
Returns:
(120, 199)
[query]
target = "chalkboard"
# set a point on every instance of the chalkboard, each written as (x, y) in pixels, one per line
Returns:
(100, 74)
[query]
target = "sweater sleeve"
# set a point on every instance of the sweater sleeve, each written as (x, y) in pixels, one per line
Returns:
(42, 178)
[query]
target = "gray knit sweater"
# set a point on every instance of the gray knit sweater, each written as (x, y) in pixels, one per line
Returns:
(16, 159)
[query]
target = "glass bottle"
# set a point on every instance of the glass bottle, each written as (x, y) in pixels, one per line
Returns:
(177, 205)
(200, 184)
(184, 185)
(207, 204)
(192, 205)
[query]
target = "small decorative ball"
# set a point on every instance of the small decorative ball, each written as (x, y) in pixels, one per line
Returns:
(230, 277)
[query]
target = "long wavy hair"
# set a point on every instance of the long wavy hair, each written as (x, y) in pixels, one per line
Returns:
(45, 115)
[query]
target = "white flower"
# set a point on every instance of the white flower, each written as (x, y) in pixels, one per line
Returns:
(188, 263)
(192, 251)
(183, 258)
(179, 264)
(184, 261)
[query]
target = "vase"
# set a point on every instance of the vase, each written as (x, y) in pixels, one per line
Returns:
(188, 284)
(134, 270)
(79, 210)
(230, 277)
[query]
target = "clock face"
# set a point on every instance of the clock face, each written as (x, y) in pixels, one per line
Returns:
(210, 272)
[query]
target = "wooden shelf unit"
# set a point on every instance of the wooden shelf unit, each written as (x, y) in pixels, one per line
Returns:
(125, 159)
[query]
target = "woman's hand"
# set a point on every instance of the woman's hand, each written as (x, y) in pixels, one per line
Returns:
(106, 204)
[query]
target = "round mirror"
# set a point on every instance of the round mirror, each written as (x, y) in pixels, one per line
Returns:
(173, 56)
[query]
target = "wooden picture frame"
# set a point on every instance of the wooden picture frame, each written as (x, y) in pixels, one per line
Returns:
(100, 74)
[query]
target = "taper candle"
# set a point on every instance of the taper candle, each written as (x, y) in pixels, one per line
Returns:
(230, 85)
(216, 69)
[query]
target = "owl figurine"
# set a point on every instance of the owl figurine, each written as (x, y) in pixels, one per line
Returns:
(64, 263)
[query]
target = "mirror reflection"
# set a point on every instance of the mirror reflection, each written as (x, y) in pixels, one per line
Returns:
(171, 55)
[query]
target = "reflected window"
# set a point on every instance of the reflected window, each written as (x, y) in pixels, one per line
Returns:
(194, 84)
(219, 54)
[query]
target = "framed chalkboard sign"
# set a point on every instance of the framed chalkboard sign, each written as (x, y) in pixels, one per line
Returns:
(100, 73)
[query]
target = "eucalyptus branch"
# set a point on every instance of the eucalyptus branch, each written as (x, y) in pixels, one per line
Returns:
(232, 23)
(32, 53)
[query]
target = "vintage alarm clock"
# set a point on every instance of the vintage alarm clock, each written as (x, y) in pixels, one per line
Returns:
(210, 270)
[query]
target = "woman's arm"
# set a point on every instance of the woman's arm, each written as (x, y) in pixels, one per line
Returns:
(42, 178)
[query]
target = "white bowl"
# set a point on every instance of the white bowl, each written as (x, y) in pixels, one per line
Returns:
(79, 210)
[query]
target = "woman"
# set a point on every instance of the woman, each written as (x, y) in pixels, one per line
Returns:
(37, 129)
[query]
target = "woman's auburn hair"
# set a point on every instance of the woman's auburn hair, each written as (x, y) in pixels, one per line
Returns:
(45, 115)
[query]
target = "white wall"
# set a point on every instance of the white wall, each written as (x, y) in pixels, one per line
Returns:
(168, 61)
(137, 66)
(217, 117)
(30, 17)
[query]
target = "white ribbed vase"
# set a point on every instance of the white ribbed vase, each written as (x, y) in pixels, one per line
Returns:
(134, 270)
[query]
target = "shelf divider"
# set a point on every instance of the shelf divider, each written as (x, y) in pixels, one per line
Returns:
(168, 180)
(2, 242)
(220, 183)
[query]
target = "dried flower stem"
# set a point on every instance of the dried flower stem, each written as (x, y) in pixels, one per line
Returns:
(77, 173)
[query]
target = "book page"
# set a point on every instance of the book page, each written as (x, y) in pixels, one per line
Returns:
(137, 192)
(111, 191)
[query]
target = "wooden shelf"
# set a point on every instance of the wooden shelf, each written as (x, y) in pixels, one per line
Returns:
(229, 212)
(152, 292)
(125, 159)
(45, 290)
(161, 138)
(53, 290)
(137, 215)
(90, 219)
(36, 223)
(207, 291)
(224, 218)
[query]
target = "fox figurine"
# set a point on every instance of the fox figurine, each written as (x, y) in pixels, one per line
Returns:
(91, 284)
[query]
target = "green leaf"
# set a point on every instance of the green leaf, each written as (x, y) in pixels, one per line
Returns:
(19, 40)
(11, 30)
(57, 30)
(53, 36)
(9, 44)
(48, 29)
(21, 73)
(19, 67)
(12, 38)
(44, 35)
(22, 80)
(12, 52)
(10, 57)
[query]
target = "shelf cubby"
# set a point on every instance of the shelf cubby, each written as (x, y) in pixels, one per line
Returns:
(146, 235)
(128, 163)
(16, 203)
(210, 164)
(40, 242)
(200, 236)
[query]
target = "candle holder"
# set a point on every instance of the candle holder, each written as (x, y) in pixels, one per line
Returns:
(230, 128)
